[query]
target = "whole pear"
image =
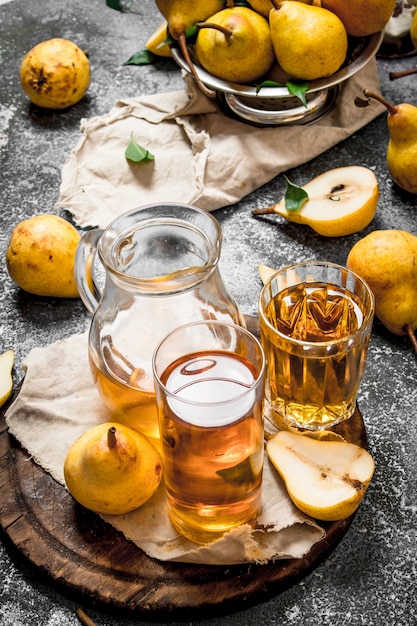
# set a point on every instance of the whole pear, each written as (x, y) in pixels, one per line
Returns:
(361, 17)
(112, 469)
(40, 256)
(55, 74)
(402, 145)
(261, 6)
(387, 261)
(182, 15)
(235, 45)
(309, 41)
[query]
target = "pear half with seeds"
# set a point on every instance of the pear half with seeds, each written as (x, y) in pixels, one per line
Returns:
(325, 479)
(339, 202)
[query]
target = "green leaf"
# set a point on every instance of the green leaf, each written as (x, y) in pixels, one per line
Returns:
(143, 57)
(267, 83)
(166, 41)
(134, 152)
(295, 196)
(298, 90)
(114, 4)
(191, 32)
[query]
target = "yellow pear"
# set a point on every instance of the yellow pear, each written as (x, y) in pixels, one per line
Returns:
(182, 15)
(55, 74)
(402, 144)
(40, 256)
(325, 479)
(112, 469)
(155, 43)
(309, 41)
(361, 17)
(6, 378)
(235, 45)
(340, 202)
(387, 261)
(263, 7)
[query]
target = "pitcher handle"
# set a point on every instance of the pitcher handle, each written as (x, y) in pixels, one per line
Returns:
(90, 292)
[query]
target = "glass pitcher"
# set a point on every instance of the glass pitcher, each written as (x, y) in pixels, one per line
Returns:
(160, 265)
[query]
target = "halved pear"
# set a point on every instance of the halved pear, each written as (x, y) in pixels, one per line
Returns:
(325, 479)
(6, 379)
(341, 201)
(157, 41)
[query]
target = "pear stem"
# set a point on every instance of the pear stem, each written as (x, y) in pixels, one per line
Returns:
(392, 109)
(227, 32)
(84, 619)
(395, 75)
(111, 437)
(183, 46)
(263, 211)
(410, 332)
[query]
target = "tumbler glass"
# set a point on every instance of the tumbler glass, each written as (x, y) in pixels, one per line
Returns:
(315, 321)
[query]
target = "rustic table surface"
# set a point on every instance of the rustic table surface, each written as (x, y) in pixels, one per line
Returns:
(370, 577)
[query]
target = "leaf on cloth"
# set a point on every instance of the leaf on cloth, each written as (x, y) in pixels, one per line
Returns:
(134, 152)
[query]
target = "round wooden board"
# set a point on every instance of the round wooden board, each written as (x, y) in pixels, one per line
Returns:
(84, 555)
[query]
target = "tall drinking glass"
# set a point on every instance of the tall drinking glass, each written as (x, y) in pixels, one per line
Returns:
(209, 384)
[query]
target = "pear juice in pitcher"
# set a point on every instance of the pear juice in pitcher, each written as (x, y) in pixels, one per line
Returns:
(131, 401)
(151, 270)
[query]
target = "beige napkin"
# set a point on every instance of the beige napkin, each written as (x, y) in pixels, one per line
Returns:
(58, 402)
(202, 156)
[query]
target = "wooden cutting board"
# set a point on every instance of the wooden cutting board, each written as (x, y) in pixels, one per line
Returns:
(82, 554)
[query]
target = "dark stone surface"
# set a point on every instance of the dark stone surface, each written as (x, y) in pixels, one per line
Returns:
(370, 577)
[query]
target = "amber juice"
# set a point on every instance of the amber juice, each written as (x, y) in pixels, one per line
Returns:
(212, 443)
(315, 360)
(130, 398)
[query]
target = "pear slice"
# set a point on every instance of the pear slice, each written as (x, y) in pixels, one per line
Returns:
(341, 201)
(265, 272)
(6, 379)
(325, 479)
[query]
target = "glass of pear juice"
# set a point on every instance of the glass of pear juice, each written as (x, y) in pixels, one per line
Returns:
(209, 383)
(315, 322)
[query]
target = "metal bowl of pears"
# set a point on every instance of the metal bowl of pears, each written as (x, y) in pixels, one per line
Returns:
(276, 105)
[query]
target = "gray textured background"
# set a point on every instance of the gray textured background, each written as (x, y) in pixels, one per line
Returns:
(370, 577)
